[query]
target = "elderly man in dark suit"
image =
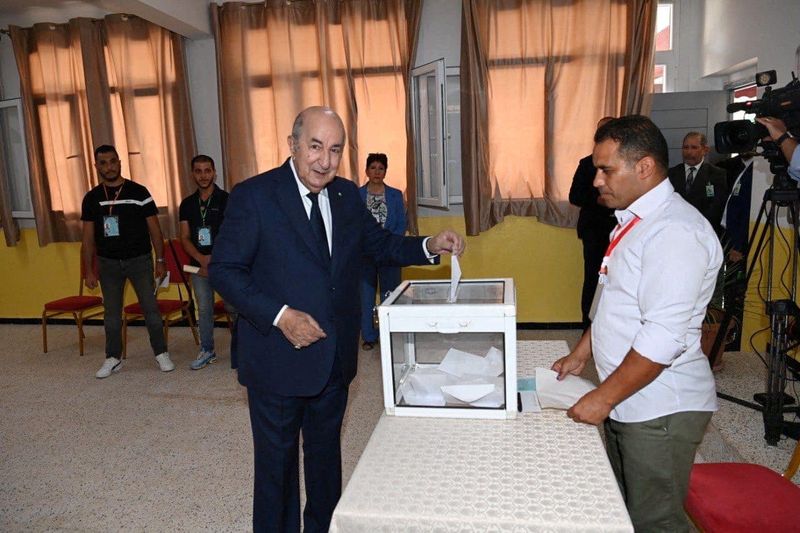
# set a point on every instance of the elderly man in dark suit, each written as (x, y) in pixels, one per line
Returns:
(700, 183)
(288, 257)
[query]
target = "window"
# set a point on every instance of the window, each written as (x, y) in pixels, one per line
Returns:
(436, 97)
(658, 78)
(664, 28)
(665, 72)
(743, 93)
(14, 156)
(427, 100)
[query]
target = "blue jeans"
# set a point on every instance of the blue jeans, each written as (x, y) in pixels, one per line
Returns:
(371, 274)
(204, 298)
(113, 275)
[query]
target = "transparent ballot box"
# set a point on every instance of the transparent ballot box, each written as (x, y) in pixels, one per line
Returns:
(450, 359)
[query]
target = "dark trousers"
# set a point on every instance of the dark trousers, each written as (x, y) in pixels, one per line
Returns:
(371, 275)
(277, 422)
(594, 247)
(113, 275)
(652, 461)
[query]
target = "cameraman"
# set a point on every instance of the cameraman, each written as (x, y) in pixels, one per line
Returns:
(785, 141)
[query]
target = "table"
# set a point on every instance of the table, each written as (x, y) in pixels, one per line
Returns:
(540, 472)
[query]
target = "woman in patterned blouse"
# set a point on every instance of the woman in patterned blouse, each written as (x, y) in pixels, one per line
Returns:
(387, 206)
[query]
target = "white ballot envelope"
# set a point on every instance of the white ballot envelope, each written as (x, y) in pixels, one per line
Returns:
(459, 363)
(191, 269)
(468, 392)
(562, 394)
(163, 283)
(455, 278)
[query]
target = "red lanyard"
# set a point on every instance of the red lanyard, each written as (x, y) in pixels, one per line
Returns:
(111, 205)
(618, 235)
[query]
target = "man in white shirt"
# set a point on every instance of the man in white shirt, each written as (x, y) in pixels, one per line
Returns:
(657, 391)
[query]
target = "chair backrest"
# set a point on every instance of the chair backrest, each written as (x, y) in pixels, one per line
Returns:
(176, 257)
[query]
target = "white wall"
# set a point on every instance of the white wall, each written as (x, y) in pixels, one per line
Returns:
(440, 33)
(767, 31)
(202, 74)
(760, 35)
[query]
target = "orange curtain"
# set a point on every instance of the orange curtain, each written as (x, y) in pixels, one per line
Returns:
(85, 83)
(276, 58)
(535, 78)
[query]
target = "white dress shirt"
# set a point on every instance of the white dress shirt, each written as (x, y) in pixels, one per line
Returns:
(794, 164)
(325, 209)
(660, 278)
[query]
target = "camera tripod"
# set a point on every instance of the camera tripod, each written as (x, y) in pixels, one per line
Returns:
(774, 402)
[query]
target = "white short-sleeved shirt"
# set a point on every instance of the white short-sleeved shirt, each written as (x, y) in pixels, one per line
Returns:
(660, 279)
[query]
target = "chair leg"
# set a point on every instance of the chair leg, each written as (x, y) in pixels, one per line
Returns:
(44, 331)
(79, 322)
(193, 327)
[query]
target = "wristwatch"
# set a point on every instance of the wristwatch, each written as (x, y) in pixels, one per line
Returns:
(786, 135)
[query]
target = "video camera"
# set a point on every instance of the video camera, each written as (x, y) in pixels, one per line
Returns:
(737, 136)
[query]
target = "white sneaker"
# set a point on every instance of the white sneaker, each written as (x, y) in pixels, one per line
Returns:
(164, 362)
(111, 364)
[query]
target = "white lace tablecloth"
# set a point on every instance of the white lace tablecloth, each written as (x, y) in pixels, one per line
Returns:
(540, 472)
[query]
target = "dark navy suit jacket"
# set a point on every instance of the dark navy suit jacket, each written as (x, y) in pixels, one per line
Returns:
(265, 257)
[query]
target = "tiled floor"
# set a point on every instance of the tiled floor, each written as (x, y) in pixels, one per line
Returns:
(145, 450)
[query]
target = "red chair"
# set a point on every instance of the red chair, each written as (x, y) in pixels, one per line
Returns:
(80, 307)
(741, 497)
(172, 311)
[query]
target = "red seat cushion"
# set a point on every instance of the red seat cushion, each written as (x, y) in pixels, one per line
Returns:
(164, 307)
(73, 303)
(738, 497)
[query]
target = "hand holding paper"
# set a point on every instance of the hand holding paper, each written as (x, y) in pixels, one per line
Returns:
(560, 394)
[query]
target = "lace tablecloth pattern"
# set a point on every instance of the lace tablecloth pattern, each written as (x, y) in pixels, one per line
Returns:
(540, 472)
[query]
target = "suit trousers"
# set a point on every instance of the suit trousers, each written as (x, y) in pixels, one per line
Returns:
(594, 247)
(652, 461)
(277, 422)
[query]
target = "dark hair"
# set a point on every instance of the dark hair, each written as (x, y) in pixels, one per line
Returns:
(202, 158)
(638, 137)
(105, 149)
(701, 137)
(380, 158)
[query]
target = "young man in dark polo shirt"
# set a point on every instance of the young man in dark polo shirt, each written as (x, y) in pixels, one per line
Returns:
(201, 216)
(120, 221)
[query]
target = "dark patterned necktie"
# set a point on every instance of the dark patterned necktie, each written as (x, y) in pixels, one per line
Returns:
(318, 227)
(690, 179)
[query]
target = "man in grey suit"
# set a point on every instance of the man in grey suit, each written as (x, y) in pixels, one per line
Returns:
(700, 183)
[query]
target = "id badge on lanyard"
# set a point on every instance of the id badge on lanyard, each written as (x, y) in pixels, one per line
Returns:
(111, 226)
(603, 273)
(204, 236)
(111, 221)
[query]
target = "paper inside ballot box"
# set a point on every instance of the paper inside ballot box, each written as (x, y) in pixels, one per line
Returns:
(461, 377)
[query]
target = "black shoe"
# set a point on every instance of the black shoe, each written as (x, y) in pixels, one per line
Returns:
(367, 345)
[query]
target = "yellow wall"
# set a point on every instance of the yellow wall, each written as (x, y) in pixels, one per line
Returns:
(755, 318)
(545, 262)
